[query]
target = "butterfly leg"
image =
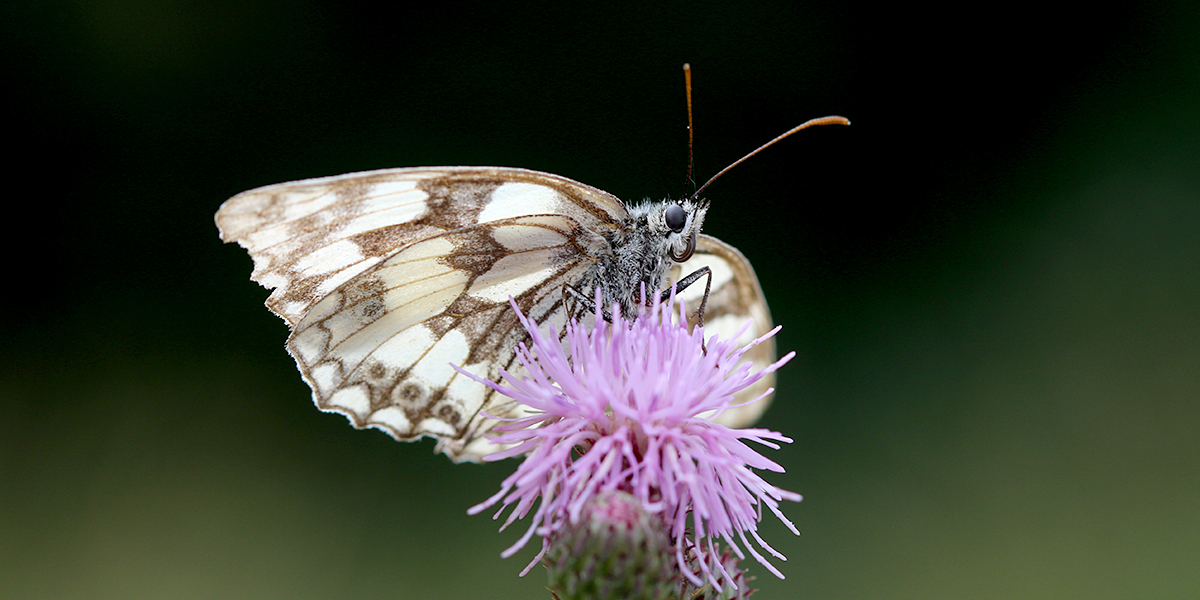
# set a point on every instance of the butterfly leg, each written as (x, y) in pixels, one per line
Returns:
(683, 284)
(573, 296)
(687, 281)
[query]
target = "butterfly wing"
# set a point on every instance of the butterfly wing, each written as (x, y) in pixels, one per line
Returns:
(735, 297)
(387, 277)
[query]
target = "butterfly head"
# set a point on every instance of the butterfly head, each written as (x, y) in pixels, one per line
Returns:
(680, 222)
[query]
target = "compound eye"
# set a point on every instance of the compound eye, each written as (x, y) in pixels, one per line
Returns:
(676, 217)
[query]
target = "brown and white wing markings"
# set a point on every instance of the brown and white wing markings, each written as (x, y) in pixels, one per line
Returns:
(735, 297)
(309, 237)
(379, 349)
(387, 277)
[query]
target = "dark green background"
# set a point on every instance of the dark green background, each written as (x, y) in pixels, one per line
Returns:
(992, 282)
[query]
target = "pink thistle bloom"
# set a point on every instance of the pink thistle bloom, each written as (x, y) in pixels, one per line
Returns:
(631, 412)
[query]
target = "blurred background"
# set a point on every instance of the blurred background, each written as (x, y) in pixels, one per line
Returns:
(992, 282)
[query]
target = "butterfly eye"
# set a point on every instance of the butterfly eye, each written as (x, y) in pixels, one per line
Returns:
(676, 217)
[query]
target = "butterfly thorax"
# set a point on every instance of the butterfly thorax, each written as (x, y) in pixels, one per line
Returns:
(641, 252)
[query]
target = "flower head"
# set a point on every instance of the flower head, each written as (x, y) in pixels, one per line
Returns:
(631, 412)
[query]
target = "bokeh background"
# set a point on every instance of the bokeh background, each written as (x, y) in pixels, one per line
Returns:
(992, 282)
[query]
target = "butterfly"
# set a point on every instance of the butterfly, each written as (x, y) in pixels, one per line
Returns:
(387, 277)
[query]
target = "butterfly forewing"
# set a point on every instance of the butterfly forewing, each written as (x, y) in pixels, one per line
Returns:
(387, 277)
(309, 237)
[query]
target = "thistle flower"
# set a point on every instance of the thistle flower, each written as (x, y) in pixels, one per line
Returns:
(631, 412)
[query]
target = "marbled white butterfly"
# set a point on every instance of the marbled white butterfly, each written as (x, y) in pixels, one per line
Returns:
(387, 277)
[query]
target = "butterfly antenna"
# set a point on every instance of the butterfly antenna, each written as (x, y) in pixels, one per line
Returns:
(687, 86)
(821, 121)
